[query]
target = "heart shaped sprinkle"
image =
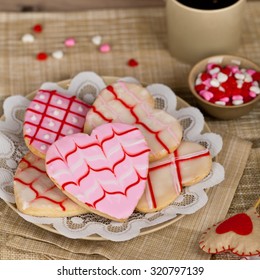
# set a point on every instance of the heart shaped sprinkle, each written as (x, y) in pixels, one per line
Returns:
(105, 48)
(37, 28)
(42, 56)
(28, 38)
(70, 42)
(132, 62)
(96, 40)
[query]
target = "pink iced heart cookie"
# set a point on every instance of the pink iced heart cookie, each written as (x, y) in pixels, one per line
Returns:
(50, 116)
(189, 164)
(132, 104)
(37, 195)
(105, 172)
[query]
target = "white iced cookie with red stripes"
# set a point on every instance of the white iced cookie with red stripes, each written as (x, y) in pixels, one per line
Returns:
(132, 104)
(105, 172)
(50, 116)
(37, 195)
(188, 165)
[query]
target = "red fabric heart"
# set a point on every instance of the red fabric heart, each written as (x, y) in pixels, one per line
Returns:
(240, 224)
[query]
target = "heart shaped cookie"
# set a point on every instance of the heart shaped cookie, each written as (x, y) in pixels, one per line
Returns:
(189, 164)
(50, 116)
(239, 234)
(105, 172)
(37, 195)
(132, 104)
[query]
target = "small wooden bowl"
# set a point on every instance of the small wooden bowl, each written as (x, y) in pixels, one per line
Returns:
(219, 111)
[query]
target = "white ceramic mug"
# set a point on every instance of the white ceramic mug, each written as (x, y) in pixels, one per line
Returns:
(194, 34)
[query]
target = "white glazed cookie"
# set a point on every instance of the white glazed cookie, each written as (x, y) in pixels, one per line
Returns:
(188, 165)
(132, 104)
(36, 194)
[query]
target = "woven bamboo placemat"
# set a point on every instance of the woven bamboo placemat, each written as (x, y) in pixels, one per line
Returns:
(133, 33)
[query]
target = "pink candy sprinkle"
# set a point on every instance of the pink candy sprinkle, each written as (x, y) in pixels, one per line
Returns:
(70, 42)
(105, 48)
(206, 94)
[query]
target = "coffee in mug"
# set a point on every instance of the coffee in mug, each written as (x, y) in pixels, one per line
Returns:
(207, 4)
(201, 28)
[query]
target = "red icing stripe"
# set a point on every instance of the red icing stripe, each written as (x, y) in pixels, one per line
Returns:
(178, 168)
(151, 191)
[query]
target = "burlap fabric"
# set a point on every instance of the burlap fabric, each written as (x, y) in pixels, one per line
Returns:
(139, 34)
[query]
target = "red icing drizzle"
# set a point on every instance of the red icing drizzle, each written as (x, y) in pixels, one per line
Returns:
(137, 120)
(176, 161)
(37, 195)
(62, 121)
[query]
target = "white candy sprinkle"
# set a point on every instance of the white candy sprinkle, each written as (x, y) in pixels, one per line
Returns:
(255, 89)
(28, 38)
(37, 107)
(237, 102)
(248, 78)
(33, 118)
(74, 120)
(28, 130)
(51, 123)
(59, 101)
(198, 81)
(80, 109)
(215, 83)
(222, 78)
(42, 96)
(222, 103)
(70, 131)
(239, 83)
(96, 40)
(58, 54)
(43, 147)
(214, 71)
(46, 136)
(56, 112)
(239, 76)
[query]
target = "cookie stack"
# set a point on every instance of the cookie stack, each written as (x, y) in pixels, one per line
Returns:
(115, 156)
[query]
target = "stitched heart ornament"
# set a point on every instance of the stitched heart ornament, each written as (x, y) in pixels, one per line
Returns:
(132, 104)
(239, 234)
(105, 172)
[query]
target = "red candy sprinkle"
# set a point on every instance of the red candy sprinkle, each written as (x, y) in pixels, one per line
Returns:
(132, 62)
(256, 76)
(42, 56)
(37, 28)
